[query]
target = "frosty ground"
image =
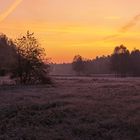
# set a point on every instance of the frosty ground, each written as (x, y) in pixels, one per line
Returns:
(74, 108)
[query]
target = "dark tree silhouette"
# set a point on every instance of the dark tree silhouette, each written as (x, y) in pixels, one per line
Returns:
(78, 64)
(100, 65)
(135, 62)
(7, 54)
(120, 60)
(30, 68)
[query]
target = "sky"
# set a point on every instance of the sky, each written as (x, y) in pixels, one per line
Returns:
(69, 27)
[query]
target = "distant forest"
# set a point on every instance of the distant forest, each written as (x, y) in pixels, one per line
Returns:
(26, 61)
(120, 63)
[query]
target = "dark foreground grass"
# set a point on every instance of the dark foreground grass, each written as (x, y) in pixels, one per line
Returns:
(76, 109)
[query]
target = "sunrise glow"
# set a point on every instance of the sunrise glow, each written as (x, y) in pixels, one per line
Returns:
(69, 27)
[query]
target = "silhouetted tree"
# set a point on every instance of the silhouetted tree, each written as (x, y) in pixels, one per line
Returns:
(30, 68)
(78, 64)
(120, 60)
(135, 62)
(7, 54)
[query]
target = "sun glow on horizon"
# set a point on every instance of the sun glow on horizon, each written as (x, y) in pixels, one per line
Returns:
(66, 28)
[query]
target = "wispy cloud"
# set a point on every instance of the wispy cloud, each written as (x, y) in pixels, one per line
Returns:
(9, 10)
(130, 24)
(110, 37)
(124, 28)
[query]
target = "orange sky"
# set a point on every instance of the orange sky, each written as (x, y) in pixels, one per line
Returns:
(69, 27)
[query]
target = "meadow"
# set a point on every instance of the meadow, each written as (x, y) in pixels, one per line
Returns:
(74, 108)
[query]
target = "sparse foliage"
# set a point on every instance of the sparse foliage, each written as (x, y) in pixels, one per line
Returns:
(30, 68)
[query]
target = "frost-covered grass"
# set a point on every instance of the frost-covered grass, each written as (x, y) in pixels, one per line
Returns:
(77, 108)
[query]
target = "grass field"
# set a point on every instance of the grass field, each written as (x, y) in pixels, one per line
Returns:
(76, 108)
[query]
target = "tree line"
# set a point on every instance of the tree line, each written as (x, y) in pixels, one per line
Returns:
(121, 62)
(24, 60)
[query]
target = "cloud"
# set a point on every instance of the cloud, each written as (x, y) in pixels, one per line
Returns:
(124, 28)
(130, 24)
(111, 37)
(9, 10)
